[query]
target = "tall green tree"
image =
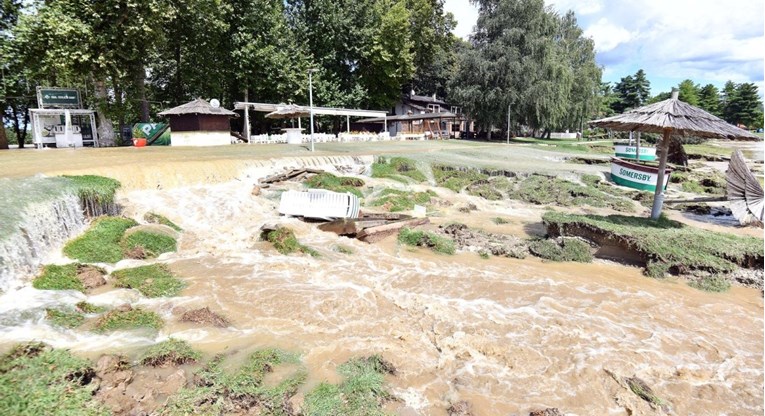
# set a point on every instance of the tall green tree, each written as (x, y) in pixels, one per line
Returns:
(709, 99)
(633, 91)
(16, 85)
(526, 58)
(747, 104)
(688, 92)
(728, 102)
(432, 45)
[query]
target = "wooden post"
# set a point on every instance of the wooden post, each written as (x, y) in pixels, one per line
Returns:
(658, 196)
(637, 148)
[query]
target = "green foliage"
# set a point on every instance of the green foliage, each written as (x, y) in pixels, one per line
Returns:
(632, 92)
(89, 308)
(36, 380)
(101, 242)
(219, 391)
(428, 239)
(529, 58)
(454, 179)
(285, 242)
(128, 319)
(641, 389)
(95, 190)
(542, 190)
(160, 219)
(56, 277)
(153, 281)
(668, 245)
(484, 254)
(397, 168)
(567, 250)
(712, 283)
(395, 200)
(500, 220)
(66, 319)
(334, 183)
(362, 391)
(689, 92)
(170, 352)
(152, 244)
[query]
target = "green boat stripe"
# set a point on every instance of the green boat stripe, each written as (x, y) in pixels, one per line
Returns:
(632, 184)
(632, 156)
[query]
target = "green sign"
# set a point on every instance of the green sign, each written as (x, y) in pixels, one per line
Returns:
(58, 97)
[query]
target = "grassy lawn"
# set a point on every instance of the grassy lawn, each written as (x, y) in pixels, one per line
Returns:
(101, 242)
(153, 281)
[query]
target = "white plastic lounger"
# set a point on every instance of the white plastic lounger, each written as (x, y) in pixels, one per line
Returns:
(319, 203)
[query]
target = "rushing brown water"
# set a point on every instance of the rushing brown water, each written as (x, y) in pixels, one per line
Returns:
(506, 335)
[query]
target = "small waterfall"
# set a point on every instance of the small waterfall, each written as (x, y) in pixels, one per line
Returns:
(45, 225)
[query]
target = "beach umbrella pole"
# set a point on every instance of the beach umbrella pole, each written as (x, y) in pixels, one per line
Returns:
(658, 196)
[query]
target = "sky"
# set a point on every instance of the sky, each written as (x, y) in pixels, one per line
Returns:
(708, 41)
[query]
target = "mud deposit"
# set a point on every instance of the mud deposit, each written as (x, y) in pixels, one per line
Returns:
(498, 336)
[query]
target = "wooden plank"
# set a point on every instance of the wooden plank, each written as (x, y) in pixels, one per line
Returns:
(375, 234)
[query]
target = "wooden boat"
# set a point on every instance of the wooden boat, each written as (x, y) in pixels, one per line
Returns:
(636, 176)
(626, 151)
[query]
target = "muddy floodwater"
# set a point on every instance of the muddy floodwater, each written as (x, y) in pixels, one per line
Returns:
(505, 335)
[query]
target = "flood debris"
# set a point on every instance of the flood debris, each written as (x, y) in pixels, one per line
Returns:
(290, 175)
(371, 228)
(433, 241)
(550, 411)
(642, 390)
(461, 408)
(480, 241)
(284, 240)
(204, 316)
(91, 276)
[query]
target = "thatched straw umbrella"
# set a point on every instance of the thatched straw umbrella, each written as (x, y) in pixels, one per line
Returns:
(289, 111)
(672, 117)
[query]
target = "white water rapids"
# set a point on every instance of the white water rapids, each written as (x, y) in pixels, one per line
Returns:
(506, 335)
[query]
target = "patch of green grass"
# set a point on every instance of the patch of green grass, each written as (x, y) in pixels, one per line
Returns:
(666, 245)
(170, 352)
(56, 277)
(66, 319)
(285, 242)
(96, 193)
(485, 190)
(396, 200)
(500, 220)
(151, 244)
(397, 168)
(362, 391)
(712, 183)
(37, 380)
(568, 250)
(154, 218)
(334, 183)
(428, 239)
(128, 319)
(712, 283)
(484, 254)
(543, 190)
(454, 179)
(692, 187)
(343, 249)
(221, 392)
(706, 150)
(101, 242)
(153, 281)
(89, 308)
(641, 389)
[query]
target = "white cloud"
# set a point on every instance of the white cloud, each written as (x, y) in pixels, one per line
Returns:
(607, 35)
(466, 15)
(580, 7)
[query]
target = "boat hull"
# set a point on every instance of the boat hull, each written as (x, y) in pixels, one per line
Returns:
(636, 176)
(628, 152)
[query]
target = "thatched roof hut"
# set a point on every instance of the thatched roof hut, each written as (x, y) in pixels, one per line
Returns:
(197, 123)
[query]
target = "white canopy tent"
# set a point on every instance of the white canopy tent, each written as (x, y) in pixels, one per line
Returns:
(329, 111)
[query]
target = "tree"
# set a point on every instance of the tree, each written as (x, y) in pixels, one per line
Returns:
(688, 92)
(432, 46)
(15, 82)
(632, 91)
(525, 57)
(728, 103)
(747, 104)
(709, 99)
